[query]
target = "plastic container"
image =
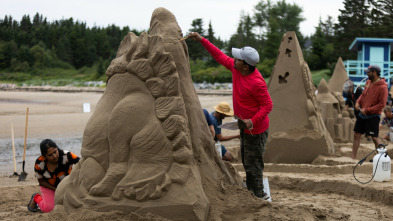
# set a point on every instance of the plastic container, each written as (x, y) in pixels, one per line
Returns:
(218, 148)
(383, 168)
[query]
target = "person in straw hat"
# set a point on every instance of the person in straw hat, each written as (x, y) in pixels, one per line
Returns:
(222, 110)
(251, 103)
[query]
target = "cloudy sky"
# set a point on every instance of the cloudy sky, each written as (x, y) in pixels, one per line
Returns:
(223, 14)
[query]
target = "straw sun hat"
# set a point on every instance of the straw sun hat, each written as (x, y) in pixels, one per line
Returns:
(224, 108)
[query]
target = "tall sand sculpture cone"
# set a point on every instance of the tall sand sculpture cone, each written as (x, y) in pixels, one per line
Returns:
(297, 133)
(147, 147)
(336, 82)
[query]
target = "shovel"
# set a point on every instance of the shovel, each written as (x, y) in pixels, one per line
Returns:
(13, 151)
(23, 174)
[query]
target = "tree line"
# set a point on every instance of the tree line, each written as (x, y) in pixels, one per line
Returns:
(31, 46)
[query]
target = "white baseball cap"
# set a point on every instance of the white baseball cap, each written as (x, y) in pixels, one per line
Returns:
(248, 54)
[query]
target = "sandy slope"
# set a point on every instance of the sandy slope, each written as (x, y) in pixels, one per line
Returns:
(324, 190)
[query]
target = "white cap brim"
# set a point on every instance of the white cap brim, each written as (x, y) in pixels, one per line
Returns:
(236, 53)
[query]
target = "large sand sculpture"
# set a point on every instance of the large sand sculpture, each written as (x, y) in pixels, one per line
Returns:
(330, 98)
(336, 119)
(339, 77)
(297, 133)
(147, 147)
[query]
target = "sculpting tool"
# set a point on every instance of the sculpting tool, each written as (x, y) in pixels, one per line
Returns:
(183, 39)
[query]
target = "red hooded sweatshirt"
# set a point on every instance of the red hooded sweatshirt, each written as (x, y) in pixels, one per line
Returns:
(374, 97)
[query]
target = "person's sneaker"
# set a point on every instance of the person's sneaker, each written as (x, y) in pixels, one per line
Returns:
(265, 196)
(35, 208)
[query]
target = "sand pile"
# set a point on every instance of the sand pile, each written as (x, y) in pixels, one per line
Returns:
(337, 120)
(147, 152)
(145, 148)
(339, 77)
(297, 133)
(324, 189)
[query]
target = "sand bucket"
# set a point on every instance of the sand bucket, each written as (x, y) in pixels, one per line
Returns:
(381, 166)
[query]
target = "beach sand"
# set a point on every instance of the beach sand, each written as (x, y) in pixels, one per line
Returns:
(323, 190)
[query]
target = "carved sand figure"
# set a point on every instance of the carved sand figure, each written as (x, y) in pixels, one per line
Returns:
(297, 133)
(145, 148)
(336, 119)
(338, 78)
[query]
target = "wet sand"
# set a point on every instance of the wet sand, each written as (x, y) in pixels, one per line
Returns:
(323, 190)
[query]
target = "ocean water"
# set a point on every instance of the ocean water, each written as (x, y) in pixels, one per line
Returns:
(33, 148)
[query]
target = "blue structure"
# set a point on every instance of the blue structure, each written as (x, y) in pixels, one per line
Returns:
(370, 51)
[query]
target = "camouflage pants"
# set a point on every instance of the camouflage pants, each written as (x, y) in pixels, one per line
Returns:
(252, 150)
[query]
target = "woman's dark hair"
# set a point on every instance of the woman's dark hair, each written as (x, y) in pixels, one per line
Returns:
(46, 144)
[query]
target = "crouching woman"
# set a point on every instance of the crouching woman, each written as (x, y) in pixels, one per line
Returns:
(50, 168)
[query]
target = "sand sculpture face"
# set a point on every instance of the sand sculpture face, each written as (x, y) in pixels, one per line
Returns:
(147, 146)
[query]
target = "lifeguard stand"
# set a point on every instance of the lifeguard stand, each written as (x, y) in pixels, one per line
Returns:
(374, 51)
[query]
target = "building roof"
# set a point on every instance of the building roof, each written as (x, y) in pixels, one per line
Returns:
(357, 41)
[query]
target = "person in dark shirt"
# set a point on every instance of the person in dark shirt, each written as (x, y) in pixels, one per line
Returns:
(50, 168)
(370, 104)
(352, 96)
(209, 122)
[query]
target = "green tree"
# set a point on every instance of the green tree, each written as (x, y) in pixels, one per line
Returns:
(36, 45)
(8, 50)
(353, 22)
(316, 59)
(100, 68)
(327, 27)
(321, 54)
(261, 18)
(24, 55)
(63, 49)
(210, 36)
(382, 18)
(244, 35)
(282, 17)
(195, 50)
(38, 53)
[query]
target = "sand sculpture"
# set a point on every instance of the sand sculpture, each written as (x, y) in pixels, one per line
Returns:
(147, 147)
(297, 133)
(336, 119)
(338, 78)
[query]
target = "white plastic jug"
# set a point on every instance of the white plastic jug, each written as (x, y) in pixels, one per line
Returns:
(218, 148)
(382, 173)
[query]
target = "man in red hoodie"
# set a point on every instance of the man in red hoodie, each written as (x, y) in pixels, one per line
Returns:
(370, 104)
(251, 103)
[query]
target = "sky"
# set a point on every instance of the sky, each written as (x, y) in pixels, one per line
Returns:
(223, 14)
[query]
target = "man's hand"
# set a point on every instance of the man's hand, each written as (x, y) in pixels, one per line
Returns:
(244, 124)
(362, 111)
(248, 123)
(357, 106)
(195, 36)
